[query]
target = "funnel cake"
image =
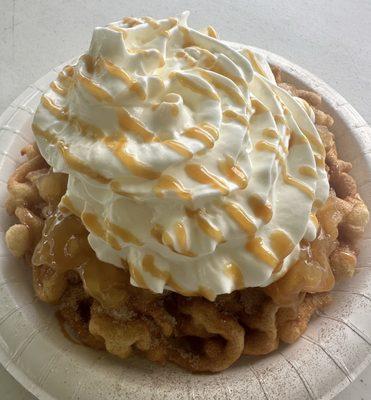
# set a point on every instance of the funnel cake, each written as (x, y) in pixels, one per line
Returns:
(131, 305)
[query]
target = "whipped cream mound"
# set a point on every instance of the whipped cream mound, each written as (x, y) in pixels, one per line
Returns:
(185, 160)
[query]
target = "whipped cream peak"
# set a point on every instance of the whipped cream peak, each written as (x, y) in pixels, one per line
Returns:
(185, 159)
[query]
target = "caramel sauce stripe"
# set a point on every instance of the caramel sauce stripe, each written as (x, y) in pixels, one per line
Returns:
(149, 266)
(254, 62)
(233, 272)
(124, 77)
(205, 225)
(126, 122)
(91, 221)
(57, 111)
(201, 89)
(57, 88)
(288, 179)
(179, 148)
(256, 247)
(233, 172)
(261, 209)
(281, 244)
(71, 160)
(237, 214)
(221, 83)
(117, 146)
(200, 174)
(171, 184)
(202, 135)
(239, 81)
(232, 115)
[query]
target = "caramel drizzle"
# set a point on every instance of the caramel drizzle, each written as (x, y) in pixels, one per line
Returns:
(190, 84)
(320, 161)
(58, 89)
(116, 28)
(187, 38)
(241, 119)
(205, 292)
(208, 58)
(151, 22)
(119, 73)
(150, 267)
(164, 31)
(260, 209)
(317, 204)
(239, 216)
(233, 94)
(189, 59)
(200, 174)
(273, 134)
(58, 112)
(315, 143)
(164, 237)
(211, 32)
(67, 205)
(258, 107)
(314, 219)
(254, 62)
(131, 21)
(281, 244)
(157, 231)
(126, 122)
(181, 235)
(92, 223)
(135, 166)
(137, 276)
(178, 148)
(297, 139)
(288, 179)
(94, 89)
(205, 225)
(233, 172)
(279, 119)
(222, 71)
(129, 123)
(86, 129)
(116, 188)
(174, 110)
(88, 60)
(202, 135)
(117, 146)
(305, 170)
(71, 160)
(76, 164)
(169, 183)
(234, 273)
(124, 234)
(148, 52)
(255, 247)
(66, 73)
(211, 130)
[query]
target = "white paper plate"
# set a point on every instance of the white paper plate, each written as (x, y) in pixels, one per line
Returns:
(334, 350)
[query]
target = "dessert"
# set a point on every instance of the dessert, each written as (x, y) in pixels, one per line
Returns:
(181, 200)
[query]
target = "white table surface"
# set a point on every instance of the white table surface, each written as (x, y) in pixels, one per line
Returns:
(331, 38)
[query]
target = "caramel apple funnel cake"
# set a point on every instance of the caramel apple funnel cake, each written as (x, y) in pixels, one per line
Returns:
(181, 201)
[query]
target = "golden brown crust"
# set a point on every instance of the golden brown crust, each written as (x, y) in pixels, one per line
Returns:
(194, 333)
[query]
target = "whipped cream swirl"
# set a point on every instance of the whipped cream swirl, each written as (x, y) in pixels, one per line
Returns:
(185, 159)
